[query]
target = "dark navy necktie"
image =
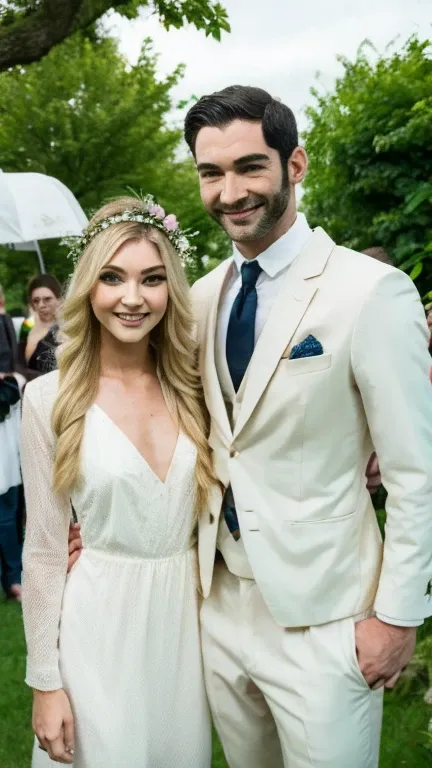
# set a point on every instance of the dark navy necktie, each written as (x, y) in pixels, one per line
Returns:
(240, 345)
(240, 341)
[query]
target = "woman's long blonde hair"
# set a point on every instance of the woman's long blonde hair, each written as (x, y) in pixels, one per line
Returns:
(172, 339)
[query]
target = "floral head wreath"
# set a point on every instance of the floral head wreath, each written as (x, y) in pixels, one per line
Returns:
(148, 212)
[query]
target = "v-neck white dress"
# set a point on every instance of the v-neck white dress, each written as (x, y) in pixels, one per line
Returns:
(128, 650)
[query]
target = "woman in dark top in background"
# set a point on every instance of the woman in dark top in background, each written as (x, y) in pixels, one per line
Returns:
(37, 346)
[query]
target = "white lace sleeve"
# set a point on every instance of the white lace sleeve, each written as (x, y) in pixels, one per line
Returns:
(45, 547)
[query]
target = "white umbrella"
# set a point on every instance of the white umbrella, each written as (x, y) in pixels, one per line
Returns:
(37, 207)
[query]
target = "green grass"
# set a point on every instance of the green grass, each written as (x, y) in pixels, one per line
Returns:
(218, 756)
(404, 717)
(15, 699)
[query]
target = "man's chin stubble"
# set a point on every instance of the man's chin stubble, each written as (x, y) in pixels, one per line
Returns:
(240, 234)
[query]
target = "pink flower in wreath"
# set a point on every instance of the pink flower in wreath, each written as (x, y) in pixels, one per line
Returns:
(157, 211)
(170, 222)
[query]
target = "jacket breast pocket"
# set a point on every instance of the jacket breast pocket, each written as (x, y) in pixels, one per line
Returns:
(305, 364)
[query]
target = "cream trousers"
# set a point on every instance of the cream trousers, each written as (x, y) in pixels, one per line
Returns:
(285, 697)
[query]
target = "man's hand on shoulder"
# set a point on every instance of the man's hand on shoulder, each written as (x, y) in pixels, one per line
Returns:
(75, 545)
(383, 651)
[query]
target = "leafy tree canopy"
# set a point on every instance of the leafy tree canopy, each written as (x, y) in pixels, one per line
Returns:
(369, 143)
(85, 116)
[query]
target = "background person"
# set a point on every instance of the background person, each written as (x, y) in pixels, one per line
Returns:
(37, 343)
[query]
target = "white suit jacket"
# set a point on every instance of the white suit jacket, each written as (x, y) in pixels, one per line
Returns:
(305, 430)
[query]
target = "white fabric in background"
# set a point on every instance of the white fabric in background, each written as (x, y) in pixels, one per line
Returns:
(10, 474)
(34, 206)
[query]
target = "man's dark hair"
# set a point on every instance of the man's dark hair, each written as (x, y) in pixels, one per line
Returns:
(241, 102)
(44, 281)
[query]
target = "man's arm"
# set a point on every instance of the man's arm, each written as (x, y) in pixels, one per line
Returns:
(391, 366)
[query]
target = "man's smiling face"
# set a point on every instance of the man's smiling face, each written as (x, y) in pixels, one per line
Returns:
(242, 183)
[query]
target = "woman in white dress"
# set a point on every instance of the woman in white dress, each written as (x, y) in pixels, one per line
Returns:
(118, 438)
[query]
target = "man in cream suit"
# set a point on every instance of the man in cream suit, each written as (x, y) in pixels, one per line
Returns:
(312, 355)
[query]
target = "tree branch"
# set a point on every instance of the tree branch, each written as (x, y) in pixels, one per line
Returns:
(29, 32)
(32, 36)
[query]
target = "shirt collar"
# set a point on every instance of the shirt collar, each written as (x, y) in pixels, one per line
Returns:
(282, 253)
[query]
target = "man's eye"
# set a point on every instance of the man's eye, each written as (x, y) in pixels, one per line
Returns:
(109, 277)
(209, 174)
(252, 168)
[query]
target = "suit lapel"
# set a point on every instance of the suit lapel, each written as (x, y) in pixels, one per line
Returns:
(297, 292)
(212, 389)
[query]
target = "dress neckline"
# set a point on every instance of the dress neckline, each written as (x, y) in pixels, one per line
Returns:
(126, 439)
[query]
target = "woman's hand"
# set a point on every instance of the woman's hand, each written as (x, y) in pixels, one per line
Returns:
(53, 724)
(75, 545)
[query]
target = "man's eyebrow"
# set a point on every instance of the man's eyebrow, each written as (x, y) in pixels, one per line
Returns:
(207, 167)
(253, 158)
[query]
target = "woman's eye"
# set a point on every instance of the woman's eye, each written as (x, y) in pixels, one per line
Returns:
(154, 279)
(109, 277)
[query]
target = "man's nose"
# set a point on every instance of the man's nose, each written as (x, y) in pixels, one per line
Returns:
(233, 189)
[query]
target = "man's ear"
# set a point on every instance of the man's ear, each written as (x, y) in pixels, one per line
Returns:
(297, 166)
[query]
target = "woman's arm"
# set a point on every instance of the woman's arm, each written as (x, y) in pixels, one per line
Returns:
(45, 554)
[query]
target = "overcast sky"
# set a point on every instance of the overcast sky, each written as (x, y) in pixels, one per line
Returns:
(277, 44)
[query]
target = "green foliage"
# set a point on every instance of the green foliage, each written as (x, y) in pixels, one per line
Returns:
(369, 143)
(208, 16)
(182, 197)
(100, 126)
(83, 116)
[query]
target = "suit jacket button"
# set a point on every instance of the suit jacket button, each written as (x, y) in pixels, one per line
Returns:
(233, 453)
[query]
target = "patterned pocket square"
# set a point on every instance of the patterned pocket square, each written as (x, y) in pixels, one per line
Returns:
(309, 347)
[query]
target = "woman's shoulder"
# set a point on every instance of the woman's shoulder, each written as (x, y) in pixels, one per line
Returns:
(43, 390)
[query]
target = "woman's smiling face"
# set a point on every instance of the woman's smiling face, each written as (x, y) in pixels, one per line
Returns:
(130, 297)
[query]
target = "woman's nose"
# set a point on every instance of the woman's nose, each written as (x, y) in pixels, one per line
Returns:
(133, 296)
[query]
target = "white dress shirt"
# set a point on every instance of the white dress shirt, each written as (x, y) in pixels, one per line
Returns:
(274, 263)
